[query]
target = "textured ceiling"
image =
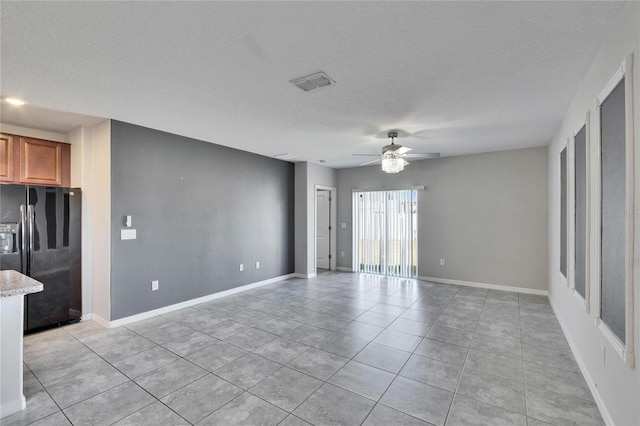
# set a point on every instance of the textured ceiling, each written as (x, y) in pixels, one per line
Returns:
(461, 77)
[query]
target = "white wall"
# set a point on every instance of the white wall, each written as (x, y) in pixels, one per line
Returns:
(81, 177)
(78, 137)
(98, 197)
(615, 385)
(485, 214)
(307, 176)
(300, 218)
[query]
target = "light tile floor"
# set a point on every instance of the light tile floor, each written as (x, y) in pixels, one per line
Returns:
(339, 349)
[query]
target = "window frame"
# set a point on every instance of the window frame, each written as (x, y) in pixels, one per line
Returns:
(585, 302)
(564, 276)
(624, 350)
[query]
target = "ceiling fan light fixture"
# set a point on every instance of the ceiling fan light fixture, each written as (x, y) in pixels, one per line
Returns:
(393, 165)
(393, 156)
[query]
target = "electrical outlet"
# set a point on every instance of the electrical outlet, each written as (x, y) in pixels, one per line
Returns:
(155, 284)
(603, 355)
(257, 265)
(441, 262)
(241, 267)
(341, 254)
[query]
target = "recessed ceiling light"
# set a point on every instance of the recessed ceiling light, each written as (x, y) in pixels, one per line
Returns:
(15, 101)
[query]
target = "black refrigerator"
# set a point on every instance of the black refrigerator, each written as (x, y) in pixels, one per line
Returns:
(40, 237)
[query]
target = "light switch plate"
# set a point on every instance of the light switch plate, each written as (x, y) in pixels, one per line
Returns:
(127, 234)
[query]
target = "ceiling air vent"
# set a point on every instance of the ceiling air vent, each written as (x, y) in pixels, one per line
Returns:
(313, 81)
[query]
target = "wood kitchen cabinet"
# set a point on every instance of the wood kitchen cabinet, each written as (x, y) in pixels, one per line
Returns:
(6, 158)
(35, 161)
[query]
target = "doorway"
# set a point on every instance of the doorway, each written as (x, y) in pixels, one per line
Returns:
(325, 229)
(385, 232)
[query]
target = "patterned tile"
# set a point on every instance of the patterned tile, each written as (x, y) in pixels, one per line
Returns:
(331, 405)
(347, 341)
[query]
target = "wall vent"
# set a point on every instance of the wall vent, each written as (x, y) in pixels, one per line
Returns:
(313, 81)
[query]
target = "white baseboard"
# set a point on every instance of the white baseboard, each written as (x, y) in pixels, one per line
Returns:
(344, 269)
(12, 407)
(606, 416)
(103, 322)
(86, 317)
(187, 303)
(305, 276)
(486, 285)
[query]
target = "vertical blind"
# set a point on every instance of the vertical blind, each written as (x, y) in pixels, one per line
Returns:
(385, 232)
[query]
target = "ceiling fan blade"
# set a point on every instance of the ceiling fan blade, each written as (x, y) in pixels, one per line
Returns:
(367, 155)
(403, 150)
(430, 155)
(370, 162)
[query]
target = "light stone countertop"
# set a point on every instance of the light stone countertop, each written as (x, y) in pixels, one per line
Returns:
(13, 283)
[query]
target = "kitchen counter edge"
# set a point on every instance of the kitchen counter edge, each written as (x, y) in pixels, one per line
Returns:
(13, 283)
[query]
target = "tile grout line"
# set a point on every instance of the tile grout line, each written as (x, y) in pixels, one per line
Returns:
(376, 402)
(460, 376)
(524, 375)
(131, 379)
(271, 303)
(44, 389)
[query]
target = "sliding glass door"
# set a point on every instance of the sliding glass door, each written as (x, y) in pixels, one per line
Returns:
(385, 232)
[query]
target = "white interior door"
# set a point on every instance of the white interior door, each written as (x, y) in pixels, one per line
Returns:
(323, 230)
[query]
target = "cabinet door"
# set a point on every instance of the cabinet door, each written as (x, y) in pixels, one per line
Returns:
(6, 158)
(42, 162)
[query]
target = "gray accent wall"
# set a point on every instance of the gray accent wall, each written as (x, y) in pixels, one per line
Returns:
(485, 214)
(200, 210)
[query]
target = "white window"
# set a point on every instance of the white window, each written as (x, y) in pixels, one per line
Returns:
(579, 199)
(615, 221)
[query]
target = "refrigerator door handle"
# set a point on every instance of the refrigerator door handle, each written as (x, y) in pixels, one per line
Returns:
(23, 239)
(31, 219)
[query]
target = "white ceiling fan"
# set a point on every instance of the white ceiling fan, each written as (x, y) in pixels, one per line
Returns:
(393, 156)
